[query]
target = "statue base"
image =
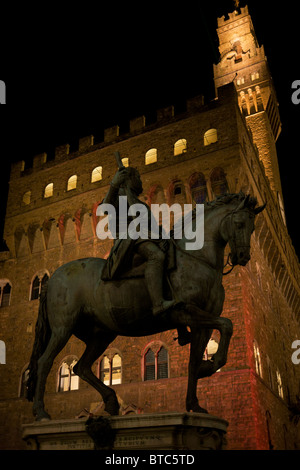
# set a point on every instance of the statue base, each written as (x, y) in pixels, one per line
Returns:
(155, 431)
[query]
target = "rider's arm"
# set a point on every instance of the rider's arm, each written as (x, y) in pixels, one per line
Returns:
(112, 195)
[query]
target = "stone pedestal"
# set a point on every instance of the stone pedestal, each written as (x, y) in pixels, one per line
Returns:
(156, 431)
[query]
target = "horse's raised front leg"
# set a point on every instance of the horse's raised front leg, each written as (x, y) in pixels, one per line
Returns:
(201, 324)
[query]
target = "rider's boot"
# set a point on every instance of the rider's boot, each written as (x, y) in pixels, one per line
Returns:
(154, 279)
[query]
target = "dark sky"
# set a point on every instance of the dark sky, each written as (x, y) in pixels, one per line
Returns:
(72, 72)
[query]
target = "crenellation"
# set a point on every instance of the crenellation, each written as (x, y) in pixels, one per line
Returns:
(111, 134)
(137, 124)
(164, 114)
(85, 143)
(61, 152)
(203, 152)
(39, 160)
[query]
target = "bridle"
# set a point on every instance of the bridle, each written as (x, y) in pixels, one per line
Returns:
(233, 239)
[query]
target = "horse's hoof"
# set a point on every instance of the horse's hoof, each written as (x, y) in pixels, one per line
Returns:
(198, 409)
(43, 417)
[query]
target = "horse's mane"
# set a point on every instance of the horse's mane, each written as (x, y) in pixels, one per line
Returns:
(227, 198)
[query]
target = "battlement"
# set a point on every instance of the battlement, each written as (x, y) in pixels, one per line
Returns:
(233, 16)
(112, 134)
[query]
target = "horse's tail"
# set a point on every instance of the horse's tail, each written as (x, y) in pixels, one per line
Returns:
(42, 336)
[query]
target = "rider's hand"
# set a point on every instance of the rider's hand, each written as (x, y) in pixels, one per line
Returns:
(120, 177)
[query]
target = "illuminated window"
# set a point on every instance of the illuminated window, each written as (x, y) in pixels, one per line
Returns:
(2, 352)
(27, 197)
(151, 156)
(111, 370)
(125, 162)
(279, 384)
(37, 285)
(67, 380)
(240, 81)
(210, 136)
(180, 147)
(254, 76)
(218, 182)
(48, 190)
(257, 359)
(105, 371)
(5, 291)
(156, 366)
(72, 183)
(116, 369)
(96, 174)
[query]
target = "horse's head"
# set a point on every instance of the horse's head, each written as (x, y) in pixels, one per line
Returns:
(237, 227)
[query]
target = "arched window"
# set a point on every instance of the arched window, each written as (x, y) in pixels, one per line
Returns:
(72, 183)
(67, 380)
(210, 136)
(218, 182)
(111, 369)
(125, 161)
(48, 190)
(37, 284)
(2, 352)
(180, 147)
(257, 359)
(151, 156)
(5, 291)
(198, 188)
(156, 365)
(27, 197)
(96, 174)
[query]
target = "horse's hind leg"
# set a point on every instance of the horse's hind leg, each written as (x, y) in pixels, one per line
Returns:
(57, 341)
(95, 346)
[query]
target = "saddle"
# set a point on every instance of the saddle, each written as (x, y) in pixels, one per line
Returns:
(133, 265)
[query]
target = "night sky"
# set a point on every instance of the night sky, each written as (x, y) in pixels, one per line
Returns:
(73, 72)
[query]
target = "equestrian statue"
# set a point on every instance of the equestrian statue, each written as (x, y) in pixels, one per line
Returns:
(146, 286)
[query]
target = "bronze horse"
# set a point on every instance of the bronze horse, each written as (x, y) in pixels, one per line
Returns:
(76, 301)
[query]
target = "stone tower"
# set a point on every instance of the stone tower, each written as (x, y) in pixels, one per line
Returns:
(244, 62)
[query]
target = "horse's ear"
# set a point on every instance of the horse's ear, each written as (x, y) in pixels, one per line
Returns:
(260, 209)
(243, 203)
